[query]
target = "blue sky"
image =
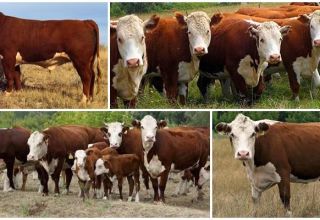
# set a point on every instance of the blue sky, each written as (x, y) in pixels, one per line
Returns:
(45, 11)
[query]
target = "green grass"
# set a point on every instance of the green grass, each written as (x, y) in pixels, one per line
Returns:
(276, 96)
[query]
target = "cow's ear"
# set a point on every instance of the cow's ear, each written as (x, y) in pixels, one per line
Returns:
(305, 19)
(207, 168)
(261, 127)
(136, 123)
(182, 20)
(285, 30)
(215, 19)
(151, 23)
(162, 124)
(46, 139)
(113, 27)
(223, 128)
(125, 129)
(104, 129)
(253, 32)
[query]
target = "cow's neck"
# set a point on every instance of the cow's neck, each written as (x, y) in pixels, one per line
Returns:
(127, 83)
(154, 167)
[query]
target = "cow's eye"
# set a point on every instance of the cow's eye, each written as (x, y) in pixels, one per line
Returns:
(232, 135)
(253, 134)
(120, 134)
(142, 38)
(119, 40)
(189, 32)
(208, 32)
(109, 134)
(142, 127)
(76, 158)
(262, 40)
(156, 127)
(311, 26)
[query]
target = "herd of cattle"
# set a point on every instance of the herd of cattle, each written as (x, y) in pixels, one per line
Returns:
(240, 49)
(98, 156)
(275, 153)
(49, 44)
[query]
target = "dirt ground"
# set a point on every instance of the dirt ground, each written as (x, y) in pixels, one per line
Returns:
(31, 204)
(232, 193)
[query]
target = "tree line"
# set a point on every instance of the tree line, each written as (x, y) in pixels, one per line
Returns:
(42, 120)
(284, 116)
(124, 8)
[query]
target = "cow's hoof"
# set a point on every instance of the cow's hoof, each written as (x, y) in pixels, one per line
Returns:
(10, 189)
(129, 198)
(105, 198)
(7, 93)
(297, 99)
(56, 194)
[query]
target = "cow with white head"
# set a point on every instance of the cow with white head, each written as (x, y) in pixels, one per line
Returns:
(79, 169)
(38, 146)
(114, 132)
(128, 55)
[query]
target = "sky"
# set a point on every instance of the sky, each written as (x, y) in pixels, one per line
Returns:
(46, 11)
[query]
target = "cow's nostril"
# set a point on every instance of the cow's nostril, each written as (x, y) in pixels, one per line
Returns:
(247, 154)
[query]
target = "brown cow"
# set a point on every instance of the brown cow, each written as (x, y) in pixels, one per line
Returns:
(243, 49)
(54, 145)
(275, 153)
(57, 41)
(124, 165)
(166, 150)
(13, 146)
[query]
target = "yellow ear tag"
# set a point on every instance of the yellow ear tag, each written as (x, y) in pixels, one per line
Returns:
(70, 156)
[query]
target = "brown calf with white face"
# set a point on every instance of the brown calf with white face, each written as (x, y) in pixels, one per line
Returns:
(275, 153)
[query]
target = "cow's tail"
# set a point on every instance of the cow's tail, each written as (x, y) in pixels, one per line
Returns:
(97, 52)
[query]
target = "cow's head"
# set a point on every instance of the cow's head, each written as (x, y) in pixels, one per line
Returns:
(38, 146)
(149, 127)
(268, 36)
(314, 23)
(199, 31)
(130, 32)
(114, 132)
(242, 132)
(80, 158)
(102, 166)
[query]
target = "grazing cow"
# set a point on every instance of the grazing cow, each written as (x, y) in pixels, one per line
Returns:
(55, 145)
(127, 141)
(128, 59)
(174, 48)
(125, 165)
(166, 150)
(13, 147)
(245, 58)
(274, 153)
(48, 44)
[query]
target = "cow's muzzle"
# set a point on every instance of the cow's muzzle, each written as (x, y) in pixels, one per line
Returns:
(199, 51)
(133, 63)
(274, 59)
(31, 158)
(243, 155)
(316, 43)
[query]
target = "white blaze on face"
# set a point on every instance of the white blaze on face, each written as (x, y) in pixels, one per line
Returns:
(38, 146)
(131, 41)
(268, 37)
(100, 168)
(199, 32)
(115, 132)
(315, 28)
(80, 157)
(149, 128)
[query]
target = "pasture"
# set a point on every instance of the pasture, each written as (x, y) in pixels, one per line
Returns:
(60, 88)
(276, 95)
(232, 194)
(31, 204)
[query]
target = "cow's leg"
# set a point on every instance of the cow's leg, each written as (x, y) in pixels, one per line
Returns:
(183, 93)
(294, 84)
(171, 85)
(69, 174)
(131, 186)
(83, 69)
(8, 63)
(257, 91)
(113, 95)
(120, 181)
(155, 186)
(195, 173)
(240, 85)
(9, 161)
(137, 185)
(284, 190)
(56, 175)
(145, 176)
(92, 81)
(315, 82)
(24, 180)
(256, 195)
(203, 84)
(163, 183)
(43, 178)
(17, 78)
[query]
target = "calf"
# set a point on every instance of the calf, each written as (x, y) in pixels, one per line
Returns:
(55, 145)
(128, 57)
(274, 153)
(125, 165)
(243, 49)
(166, 150)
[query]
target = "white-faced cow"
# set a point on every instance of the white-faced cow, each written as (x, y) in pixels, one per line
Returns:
(166, 150)
(243, 49)
(128, 57)
(274, 153)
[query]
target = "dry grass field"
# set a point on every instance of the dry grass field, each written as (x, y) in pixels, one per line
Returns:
(31, 204)
(232, 193)
(60, 88)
